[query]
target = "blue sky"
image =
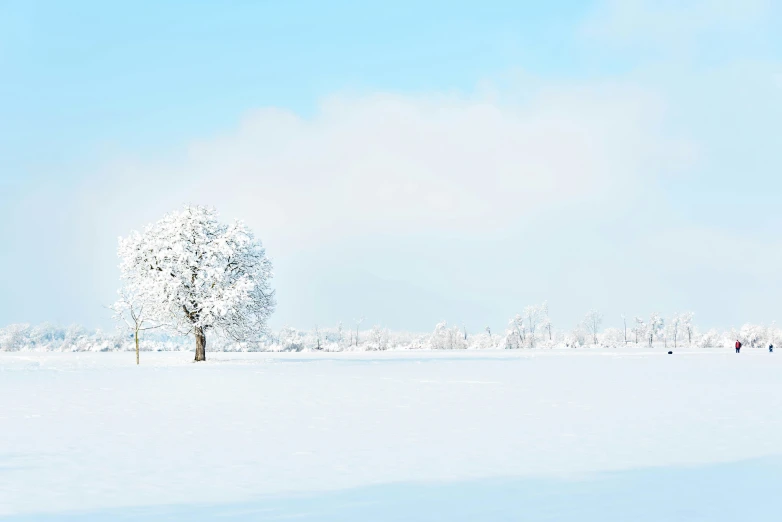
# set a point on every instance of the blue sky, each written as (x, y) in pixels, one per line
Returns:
(137, 72)
(407, 163)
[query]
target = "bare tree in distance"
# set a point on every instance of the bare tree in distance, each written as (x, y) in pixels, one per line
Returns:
(592, 322)
(132, 314)
(517, 326)
(673, 329)
(532, 314)
(639, 329)
(656, 328)
(624, 322)
(687, 326)
(340, 333)
(358, 325)
(546, 319)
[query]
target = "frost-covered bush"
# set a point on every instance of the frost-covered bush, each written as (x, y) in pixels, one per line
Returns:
(14, 337)
(445, 338)
(290, 340)
(485, 341)
(710, 339)
(378, 338)
(47, 338)
(612, 338)
(576, 338)
(754, 335)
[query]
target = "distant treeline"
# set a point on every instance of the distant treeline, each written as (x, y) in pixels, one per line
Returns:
(530, 330)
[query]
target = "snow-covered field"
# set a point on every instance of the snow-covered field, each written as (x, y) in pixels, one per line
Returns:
(575, 435)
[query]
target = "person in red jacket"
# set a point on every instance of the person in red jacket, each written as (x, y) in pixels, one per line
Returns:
(738, 346)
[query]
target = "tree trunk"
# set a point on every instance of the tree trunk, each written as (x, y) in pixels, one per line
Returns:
(200, 344)
(136, 346)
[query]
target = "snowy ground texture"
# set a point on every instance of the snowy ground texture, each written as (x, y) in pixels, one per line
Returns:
(579, 435)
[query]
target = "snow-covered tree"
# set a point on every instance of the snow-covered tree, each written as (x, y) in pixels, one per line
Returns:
(533, 315)
(639, 329)
(358, 326)
(317, 337)
(378, 338)
(612, 337)
(753, 334)
(290, 339)
(457, 340)
(193, 274)
(445, 338)
(516, 333)
(14, 337)
(672, 331)
(546, 320)
(773, 334)
(45, 334)
(592, 323)
(439, 339)
(76, 336)
(624, 328)
(687, 328)
(576, 338)
(710, 339)
(656, 328)
(340, 334)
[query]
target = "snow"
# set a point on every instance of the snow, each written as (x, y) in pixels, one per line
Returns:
(619, 434)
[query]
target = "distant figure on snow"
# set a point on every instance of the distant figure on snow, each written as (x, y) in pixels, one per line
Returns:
(738, 345)
(770, 347)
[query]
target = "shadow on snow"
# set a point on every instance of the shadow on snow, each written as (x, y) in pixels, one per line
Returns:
(720, 492)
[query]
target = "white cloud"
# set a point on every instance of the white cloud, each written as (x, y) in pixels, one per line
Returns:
(401, 163)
